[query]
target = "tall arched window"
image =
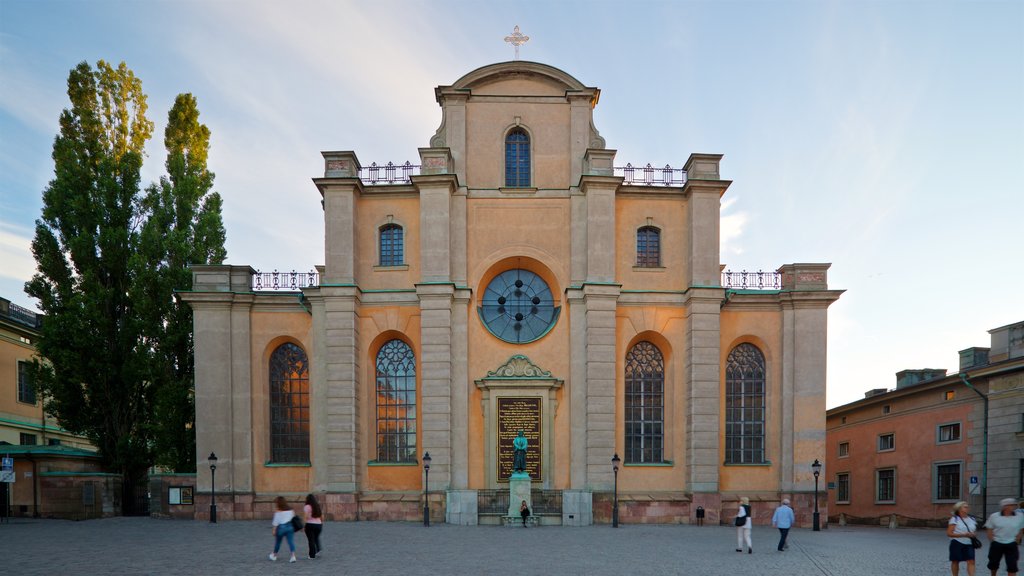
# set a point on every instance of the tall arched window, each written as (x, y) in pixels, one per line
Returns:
(396, 403)
(289, 405)
(744, 406)
(392, 250)
(645, 404)
(517, 159)
(648, 247)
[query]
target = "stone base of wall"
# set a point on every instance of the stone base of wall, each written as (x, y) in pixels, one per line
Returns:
(763, 506)
(346, 507)
(159, 495)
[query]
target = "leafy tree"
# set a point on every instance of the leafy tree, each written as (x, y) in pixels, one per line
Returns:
(93, 379)
(184, 227)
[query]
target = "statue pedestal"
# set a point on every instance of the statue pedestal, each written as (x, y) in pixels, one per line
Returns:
(519, 490)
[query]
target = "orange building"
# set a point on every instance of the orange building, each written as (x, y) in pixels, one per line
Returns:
(906, 455)
(515, 279)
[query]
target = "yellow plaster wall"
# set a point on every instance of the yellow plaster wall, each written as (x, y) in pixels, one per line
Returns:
(377, 326)
(763, 329)
(547, 123)
(661, 326)
(13, 350)
(373, 210)
(268, 331)
(532, 234)
(669, 215)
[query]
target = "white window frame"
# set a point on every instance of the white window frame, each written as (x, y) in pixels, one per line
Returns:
(839, 450)
(959, 434)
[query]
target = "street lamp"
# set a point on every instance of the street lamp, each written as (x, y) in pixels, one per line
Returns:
(426, 480)
(816, 524)
(213, 488)
(615, 501)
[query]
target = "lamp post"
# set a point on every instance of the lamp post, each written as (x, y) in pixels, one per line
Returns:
(213, 488)
(816, 524)
(426, 480)
(615, 496)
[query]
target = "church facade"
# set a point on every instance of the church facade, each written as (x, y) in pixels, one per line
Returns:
(515, 280)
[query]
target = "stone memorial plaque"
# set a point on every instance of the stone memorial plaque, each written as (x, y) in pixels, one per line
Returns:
(515, 414)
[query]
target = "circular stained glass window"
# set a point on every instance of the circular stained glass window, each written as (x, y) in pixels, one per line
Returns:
(518, 307)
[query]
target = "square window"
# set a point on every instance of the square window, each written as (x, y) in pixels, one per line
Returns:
(886, 409)
(844, 449)
(843, 420)
(948, 433)
(886, 442)
(950, 394)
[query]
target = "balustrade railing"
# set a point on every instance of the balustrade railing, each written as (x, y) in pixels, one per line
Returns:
(752, 280)
(25, 316)
(389, 173)
(650, 175)
(284, 281)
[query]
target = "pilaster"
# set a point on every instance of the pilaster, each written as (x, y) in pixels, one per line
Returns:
(436, 301)
(701, 364)
(460, 389)
(435, 225)
(704, 189)
(342, 368)
(340, 187)
(600, 218)
(318, 391)
(577, 389)
(600, 302)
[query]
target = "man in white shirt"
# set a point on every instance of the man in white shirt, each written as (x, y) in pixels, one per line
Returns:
(1004, 533)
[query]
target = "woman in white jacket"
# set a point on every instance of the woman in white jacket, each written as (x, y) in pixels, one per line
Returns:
(744, 523)
(283, 527)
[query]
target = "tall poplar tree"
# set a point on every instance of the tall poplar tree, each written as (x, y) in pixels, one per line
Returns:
(183, 227)
(94, 376)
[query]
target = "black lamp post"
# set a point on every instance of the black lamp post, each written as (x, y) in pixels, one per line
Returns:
(213, 488)
(426, 480)
(615, 495)
(816, 524)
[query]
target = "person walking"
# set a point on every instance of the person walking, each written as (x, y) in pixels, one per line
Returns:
(783, 520)
(744, 524)
(961, 529)
(283, 527)
(314, 525)
(1004, 533)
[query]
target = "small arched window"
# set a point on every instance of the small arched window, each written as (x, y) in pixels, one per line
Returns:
(517, 159)
(396, 403)
(645, 404)
(392, 250)
(648, 247)
(289, 405)
(744, 405)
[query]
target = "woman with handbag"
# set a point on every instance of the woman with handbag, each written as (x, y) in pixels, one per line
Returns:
(283, 527)
(314, 525)
(744, 524)
(961, 531)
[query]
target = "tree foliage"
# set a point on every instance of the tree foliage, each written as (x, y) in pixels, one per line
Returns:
(117, 356)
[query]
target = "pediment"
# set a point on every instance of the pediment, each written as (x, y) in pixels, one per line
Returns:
(519, 370)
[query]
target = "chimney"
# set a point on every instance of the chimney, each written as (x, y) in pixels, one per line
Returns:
(875, 392)
(912, 377)
(973, 357)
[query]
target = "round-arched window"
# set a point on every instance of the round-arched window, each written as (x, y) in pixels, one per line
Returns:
(518, 307)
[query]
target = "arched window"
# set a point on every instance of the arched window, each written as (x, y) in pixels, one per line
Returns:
(391, 245)
(744, 406)
(517, 159)
(645, 404)
(648, 247)
(289, 405)
(396, 403)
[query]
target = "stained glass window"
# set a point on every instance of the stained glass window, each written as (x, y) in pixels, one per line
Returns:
(645, 404)
(396, 403)
(744, 406)
(289, 405)
(517, 159)
(391, 247)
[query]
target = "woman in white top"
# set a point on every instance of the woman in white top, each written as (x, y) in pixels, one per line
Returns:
(314, 524)
(283, 527)
(744, 523)
(961, 529)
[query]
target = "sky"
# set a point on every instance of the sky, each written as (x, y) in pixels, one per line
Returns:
(886, 138)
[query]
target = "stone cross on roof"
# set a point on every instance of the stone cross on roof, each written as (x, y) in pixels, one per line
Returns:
(516, 39)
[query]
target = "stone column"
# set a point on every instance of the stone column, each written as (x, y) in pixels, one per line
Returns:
(318, 419)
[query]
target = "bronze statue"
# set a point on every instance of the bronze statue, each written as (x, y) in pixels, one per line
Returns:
(519, 456)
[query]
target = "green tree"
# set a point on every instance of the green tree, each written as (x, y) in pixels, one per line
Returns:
(183, 227)
(94, 377)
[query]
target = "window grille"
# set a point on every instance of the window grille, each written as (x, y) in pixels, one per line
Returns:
(886, 485)
(947, 481)
(645, 401)
(648, 247)
(396, 403)
(391, 245)
(745, 406)
(517, 159)
(843, 488)
(289, 405)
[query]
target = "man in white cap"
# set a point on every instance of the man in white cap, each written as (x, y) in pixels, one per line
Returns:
(1004, 533)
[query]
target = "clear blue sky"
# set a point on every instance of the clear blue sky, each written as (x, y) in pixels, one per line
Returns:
(884, 137)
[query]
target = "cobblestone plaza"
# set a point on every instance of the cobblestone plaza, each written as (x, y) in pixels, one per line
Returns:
(152, 546)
